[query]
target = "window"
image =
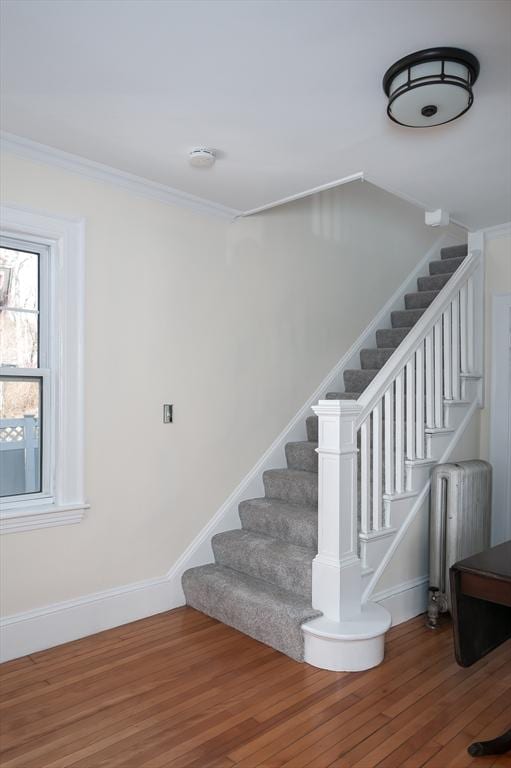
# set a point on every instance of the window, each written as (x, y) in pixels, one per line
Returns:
(25, 375)
(41, 371)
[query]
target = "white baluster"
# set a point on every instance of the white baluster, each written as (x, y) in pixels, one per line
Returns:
(410, 409)
(377, 468)
(463, 329)
(455, 352)
(430, 382)
(439, 414)
(447, 353)
(470, 325)
(389, 440)
(400, 434)
(365, 477)
(419, 402)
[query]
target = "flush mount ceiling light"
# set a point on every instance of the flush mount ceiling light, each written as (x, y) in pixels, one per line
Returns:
(430, 87)
(201, 157)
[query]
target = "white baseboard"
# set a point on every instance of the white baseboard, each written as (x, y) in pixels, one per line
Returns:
(62, 622)
(405, 600)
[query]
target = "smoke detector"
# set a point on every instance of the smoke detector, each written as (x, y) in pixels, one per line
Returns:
(201, 157)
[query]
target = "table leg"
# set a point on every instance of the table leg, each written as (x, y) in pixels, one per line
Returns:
(493, 747)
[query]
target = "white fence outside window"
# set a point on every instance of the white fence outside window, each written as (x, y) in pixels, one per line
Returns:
(19, 456)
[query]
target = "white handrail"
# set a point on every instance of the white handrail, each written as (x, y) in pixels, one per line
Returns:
(372, 395)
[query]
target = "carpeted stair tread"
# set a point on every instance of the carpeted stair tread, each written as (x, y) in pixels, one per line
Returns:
(259, 609)
(292, 485)
(454, 251)
(444, 266)
(286, 565)
(356, 380)
(433, 282)
(390, 337)
(420, 299)
(292, 523)
(405, 318)
(302, 455)
(372, 359)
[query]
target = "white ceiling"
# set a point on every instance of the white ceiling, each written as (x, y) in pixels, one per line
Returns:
(288, 91)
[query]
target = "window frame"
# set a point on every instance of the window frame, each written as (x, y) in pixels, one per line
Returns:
(45, 371)
(62, 499)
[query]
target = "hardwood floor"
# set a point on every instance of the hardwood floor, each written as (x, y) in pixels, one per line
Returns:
(180, 689)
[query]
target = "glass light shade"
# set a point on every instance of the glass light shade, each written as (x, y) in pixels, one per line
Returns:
(450, 101)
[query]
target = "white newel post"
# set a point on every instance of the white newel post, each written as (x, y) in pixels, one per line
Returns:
(336, 570)
(349, 636)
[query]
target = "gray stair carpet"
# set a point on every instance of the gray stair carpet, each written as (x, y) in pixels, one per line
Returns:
(260, 582)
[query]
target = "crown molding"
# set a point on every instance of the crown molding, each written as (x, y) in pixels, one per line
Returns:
(32, 150)
(42, 153)
(412, 200)
(306, 193)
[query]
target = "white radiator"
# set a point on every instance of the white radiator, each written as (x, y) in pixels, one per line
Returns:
(459, 524)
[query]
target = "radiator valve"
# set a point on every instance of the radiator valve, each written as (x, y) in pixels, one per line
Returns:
(437, 605)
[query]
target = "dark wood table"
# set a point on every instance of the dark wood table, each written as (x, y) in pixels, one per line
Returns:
(481, 613)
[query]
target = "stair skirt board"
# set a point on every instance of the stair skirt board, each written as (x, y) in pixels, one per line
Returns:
(261, 579)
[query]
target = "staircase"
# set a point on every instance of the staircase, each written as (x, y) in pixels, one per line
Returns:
(272, 579)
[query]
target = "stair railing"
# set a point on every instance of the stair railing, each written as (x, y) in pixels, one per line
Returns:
(386, 429)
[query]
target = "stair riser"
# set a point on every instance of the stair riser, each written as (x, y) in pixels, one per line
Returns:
(213, 591)
(302, 456)
(420, 300)
(432, 283)
(311, 425)
(357, 380)
(390, 337)
(454, 251)
(405, 318)
(294, 529)
(292, 575)
(304, 491)
(372, 359)
(444, 266)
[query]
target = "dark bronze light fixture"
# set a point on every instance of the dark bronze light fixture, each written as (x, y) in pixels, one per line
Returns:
(430, 87)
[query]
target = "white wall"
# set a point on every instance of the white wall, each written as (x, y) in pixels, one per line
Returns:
(497, 280)
(234, 323)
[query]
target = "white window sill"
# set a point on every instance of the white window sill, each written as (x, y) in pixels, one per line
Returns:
(33, 516)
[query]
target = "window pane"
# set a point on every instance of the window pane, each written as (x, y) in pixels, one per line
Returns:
(20, 436)
(19, 308)
(19, 279)
(18, 339)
